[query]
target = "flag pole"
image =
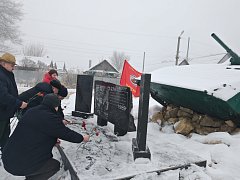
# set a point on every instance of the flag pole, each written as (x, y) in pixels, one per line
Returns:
(143, 61)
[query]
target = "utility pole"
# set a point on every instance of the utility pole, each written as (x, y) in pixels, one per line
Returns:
(143, 62)
(187, 49)
(178, 45)
(90, 63)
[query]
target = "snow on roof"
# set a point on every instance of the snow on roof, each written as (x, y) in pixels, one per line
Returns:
(99, 65)
(220, 80)
(104, 71)
(60, 64)
(45, 59)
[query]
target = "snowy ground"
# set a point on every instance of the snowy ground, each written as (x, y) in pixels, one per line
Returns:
(105, 158)
(108, 157)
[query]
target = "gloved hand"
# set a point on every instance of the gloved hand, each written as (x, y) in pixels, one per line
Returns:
(86, 138)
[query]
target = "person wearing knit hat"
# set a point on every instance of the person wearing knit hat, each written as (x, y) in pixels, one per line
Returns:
(51, 100)
(9, 100)
(29, 149)
(62, 93)
(34, 96)
(56, 85)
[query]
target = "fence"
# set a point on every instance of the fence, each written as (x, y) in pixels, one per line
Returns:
(31, 78)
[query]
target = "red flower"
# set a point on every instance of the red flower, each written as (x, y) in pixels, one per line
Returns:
(40, 94)
(84, 125)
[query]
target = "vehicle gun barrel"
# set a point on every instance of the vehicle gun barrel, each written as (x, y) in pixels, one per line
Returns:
(221, 42)
(235, 60)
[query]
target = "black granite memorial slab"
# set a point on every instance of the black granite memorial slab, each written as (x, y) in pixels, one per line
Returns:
(112, 104)
(83, 96)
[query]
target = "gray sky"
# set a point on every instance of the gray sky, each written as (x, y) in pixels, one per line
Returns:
(75, 31)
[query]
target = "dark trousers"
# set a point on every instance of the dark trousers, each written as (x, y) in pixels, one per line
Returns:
(50, 168)
(4, 131)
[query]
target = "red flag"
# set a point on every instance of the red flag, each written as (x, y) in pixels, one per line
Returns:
(128, 76)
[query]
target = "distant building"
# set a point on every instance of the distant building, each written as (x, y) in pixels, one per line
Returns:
(32, 63)
(30, 70)
(60, 66)
(103, 69)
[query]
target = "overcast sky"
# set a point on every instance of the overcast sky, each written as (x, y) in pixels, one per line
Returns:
(76, 31)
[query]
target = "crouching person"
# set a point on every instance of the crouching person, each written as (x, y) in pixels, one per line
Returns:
(29, 150)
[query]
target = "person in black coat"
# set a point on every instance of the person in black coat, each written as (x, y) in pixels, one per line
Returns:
(29, 149)
(9, 101)
(34, 95)
(62, 93)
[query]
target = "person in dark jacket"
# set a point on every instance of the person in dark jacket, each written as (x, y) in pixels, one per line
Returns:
(29, 149)
(34, 95)
(9, 101)
(62, 93)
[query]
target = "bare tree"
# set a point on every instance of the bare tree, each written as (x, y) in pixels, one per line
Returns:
(64, 67)
(28, 63)
(55, 65)
(118, 58)
(42, 65)
(34, 49)
(51, 65)
(10, 14)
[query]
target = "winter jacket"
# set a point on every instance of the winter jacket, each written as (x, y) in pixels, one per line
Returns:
(34, 95)
(31, 144)
(60, 111)
(9, 101)
(47, 78)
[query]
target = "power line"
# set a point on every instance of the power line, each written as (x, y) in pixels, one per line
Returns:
(99, 29)
(206, 56)
(86, 49)
(76, 49)
(89, 44)
(81, 50)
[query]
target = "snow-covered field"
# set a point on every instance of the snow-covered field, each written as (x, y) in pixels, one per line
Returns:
(114, 159)
(105, 158)
(219, 149)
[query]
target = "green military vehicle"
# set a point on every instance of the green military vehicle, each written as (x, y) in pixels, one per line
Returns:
(212, 89)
